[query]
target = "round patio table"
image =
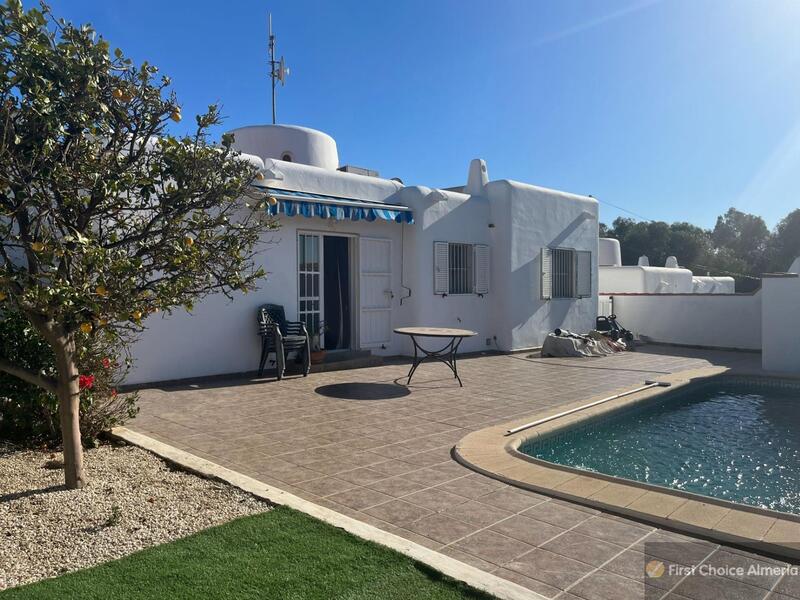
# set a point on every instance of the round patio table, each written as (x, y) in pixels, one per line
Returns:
(446, 355)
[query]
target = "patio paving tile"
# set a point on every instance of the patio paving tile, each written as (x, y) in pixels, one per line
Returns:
(397, 486)
(602, 585)
(361, 476)
(469, 559)
(513, 500)
(615, 532)
(631, 564)
(549, 568)
(442, 528)
(492, 547)
(435, 499)
(548, 591)
(477, 513)
(555, 514)
(585, 549)
(388, 463)
(359, 498)
(763, 578)
(789, 585)
(708, 587)
(527, 530)
(470, 486)
(398, 512)
(326, 486)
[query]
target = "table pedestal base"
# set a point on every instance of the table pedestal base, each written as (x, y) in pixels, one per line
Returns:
(446, 355)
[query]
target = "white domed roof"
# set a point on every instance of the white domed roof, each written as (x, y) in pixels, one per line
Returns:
(288, 142)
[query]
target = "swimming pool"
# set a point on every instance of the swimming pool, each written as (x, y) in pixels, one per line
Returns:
(734, 439)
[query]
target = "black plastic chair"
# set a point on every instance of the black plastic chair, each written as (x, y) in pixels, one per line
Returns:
(282, 337)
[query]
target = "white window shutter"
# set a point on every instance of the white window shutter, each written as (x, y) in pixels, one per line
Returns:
(547, 274)
(441, 268)
(584, 274)
(481, 269)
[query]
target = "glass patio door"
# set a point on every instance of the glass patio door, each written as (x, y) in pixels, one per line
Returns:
(309, 272)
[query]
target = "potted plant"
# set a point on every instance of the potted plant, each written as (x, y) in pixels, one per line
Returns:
(317, 352)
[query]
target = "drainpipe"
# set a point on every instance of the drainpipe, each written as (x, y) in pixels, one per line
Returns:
(402, 263)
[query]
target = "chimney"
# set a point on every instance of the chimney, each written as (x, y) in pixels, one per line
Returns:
(478, 177)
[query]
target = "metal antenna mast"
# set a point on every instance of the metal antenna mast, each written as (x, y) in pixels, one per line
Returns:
(278, 71)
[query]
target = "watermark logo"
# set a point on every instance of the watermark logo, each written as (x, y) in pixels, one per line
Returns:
(654, 568)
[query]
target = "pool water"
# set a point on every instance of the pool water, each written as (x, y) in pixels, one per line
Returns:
(736, 440)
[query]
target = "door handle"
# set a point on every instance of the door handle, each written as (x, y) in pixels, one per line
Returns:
(389, 293)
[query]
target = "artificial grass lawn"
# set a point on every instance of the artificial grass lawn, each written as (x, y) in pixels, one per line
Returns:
(281, 554)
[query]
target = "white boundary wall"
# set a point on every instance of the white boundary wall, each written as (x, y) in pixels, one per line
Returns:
(713, 320)
(781, 323)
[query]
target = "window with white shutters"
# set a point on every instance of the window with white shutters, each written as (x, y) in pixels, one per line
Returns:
(584, 273)
(481, 269)
(566, 273)
(441, 268)
(546, 281)
(460, 269)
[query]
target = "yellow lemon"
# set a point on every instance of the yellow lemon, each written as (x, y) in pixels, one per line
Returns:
(118, 94)
(188, 241)
(37, 246)
(137, 315)
(86, 327)
(101, 290)
(3, 296)
(176, 115)
(272, 200)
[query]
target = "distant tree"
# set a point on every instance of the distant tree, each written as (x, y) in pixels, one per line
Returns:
(104, 216)
(785, 243)
(689, 243)
(637, 238)
(745, 235)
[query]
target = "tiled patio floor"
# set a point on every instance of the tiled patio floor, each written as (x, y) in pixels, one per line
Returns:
(385, 459)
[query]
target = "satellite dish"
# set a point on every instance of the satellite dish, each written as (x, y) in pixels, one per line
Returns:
(283, 71)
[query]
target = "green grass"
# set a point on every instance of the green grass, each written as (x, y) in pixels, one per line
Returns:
(281, 554)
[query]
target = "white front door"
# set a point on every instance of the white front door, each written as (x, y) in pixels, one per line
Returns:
(375, 258)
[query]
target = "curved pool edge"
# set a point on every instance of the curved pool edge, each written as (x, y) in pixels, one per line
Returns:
(493, 453)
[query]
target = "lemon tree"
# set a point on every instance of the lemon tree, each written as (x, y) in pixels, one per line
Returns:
(105, 217)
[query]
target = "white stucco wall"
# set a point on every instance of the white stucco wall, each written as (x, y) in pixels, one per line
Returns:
(527, 218)
(704, 284)
(645, 280)
(305, 146)
(781, 323)
(221, 336)
(720, 321)
(443, 216)
(609, 253)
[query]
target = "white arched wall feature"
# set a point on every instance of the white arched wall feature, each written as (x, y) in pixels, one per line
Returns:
(303, 145)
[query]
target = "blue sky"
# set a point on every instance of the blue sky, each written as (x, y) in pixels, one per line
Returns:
(673, 109)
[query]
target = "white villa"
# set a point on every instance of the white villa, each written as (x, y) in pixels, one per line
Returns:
(508, 260)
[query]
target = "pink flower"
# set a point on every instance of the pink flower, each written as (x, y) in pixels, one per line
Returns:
(86, 382)
(114, 393)
(106, 363)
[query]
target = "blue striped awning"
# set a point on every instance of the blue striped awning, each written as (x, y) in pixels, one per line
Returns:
(293, 203)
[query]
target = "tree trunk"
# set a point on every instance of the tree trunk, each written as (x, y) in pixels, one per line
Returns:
(69, 413)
